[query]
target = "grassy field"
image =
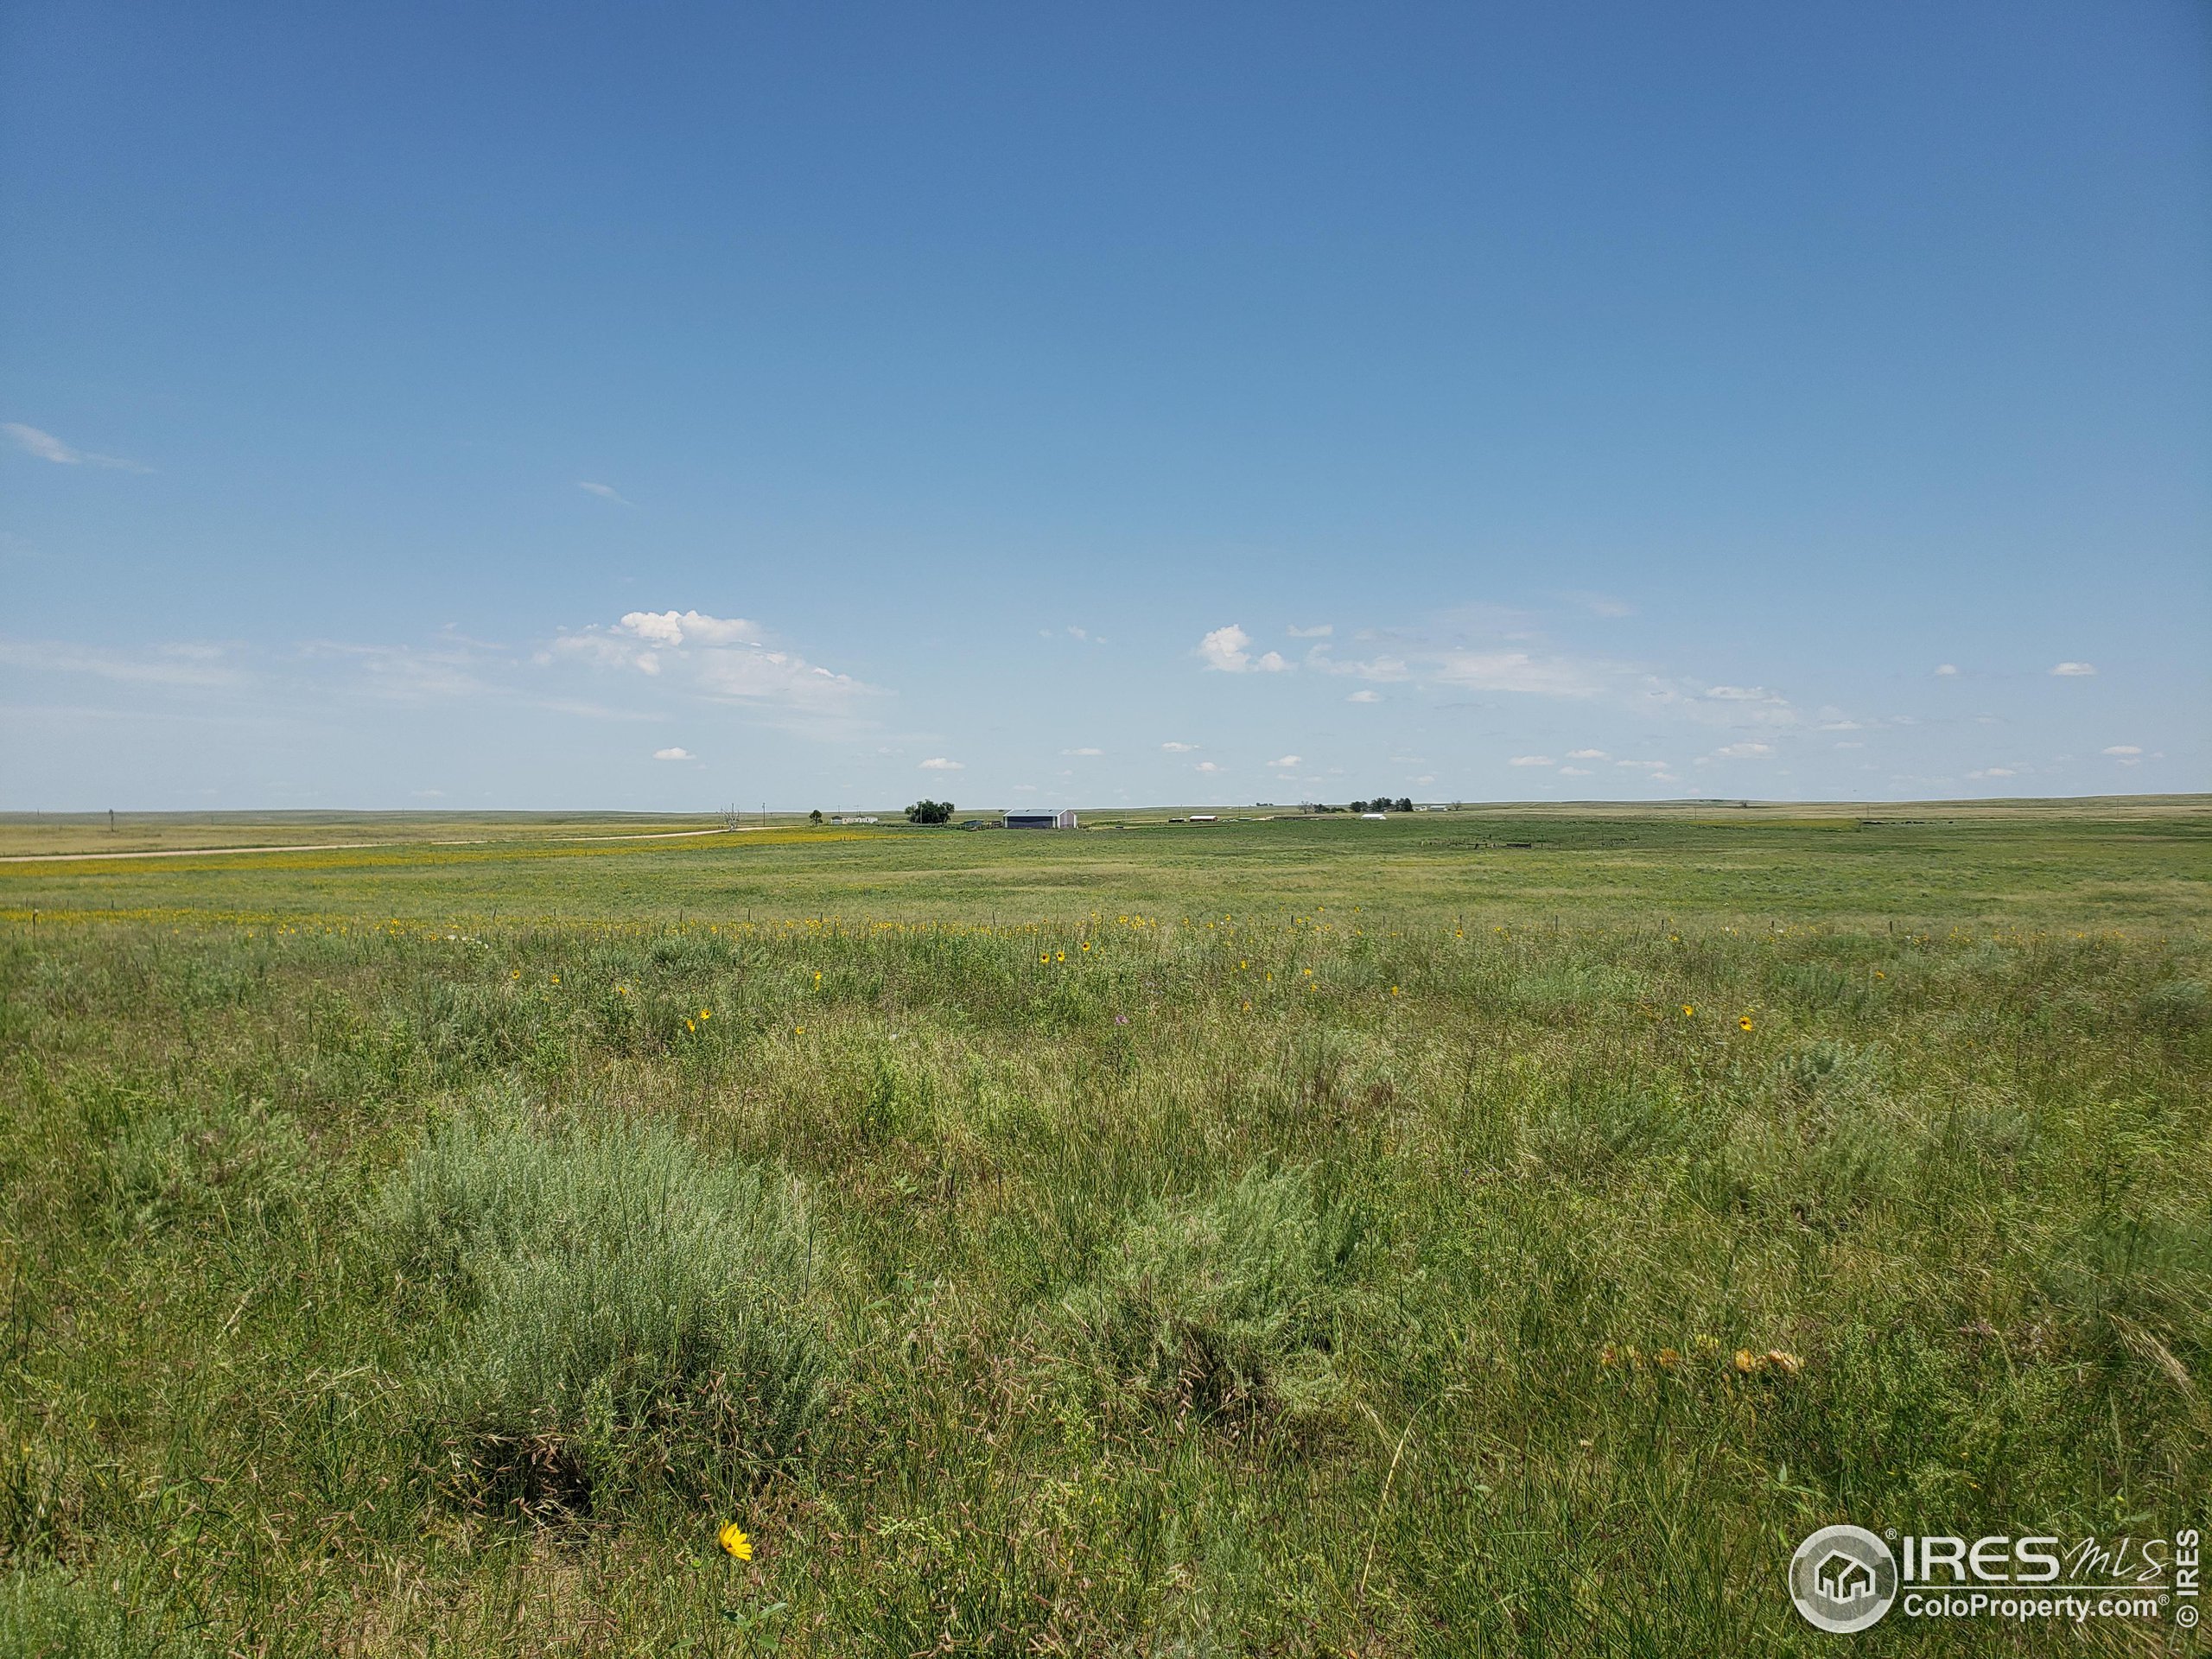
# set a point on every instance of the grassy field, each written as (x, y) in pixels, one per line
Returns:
(1503, 1232)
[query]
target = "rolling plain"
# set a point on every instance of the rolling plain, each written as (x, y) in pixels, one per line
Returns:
(1493, 1231)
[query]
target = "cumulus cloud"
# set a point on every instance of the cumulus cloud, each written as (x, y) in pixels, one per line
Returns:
(1322, 631)
(1208, 765)
(1586, 755)
(2124, 749)
(1743, 751)
(1299, 761)
(674, 754)
(2073, 670)
(604, 491)
(722, 658)
(1994, 772)
(1082, 751)
(1364, 696)
(939, 763)
(1230, 651)
(1574, 771)
(1179, 748)
(1946, 668)
(1531, 760)
(46, 447)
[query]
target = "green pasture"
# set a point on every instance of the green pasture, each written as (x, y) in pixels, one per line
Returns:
(1496, 1232)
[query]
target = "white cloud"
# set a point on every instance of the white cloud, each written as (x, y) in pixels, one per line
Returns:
(1531, 760)
(46, 447)
(1082, 751)
(1574, 771)
(1364, 696)
(1854, 743)
(1080, 633)
(1643, 766)
(1294, 760)
(1179, 748)
(1229, 650)
(604, 491)
(1743, 751)
(690, 628)
(1740, 693)
(674, 754)
(1586, 755)
(1208, 765)
(2124, 748)
(1994, 772)
(939, 763)
(726, 659)
(1515, 671)
(1946, 668)
(171, 665)
(1321, 633)
(2073, 670)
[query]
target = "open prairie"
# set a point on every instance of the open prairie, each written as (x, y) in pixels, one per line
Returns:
(1496, 1231)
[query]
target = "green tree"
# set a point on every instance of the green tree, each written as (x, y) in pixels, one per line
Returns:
(814, 816)
(928, 811)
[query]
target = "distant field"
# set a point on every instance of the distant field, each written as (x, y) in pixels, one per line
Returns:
(2141, 864)
(1504, 1231)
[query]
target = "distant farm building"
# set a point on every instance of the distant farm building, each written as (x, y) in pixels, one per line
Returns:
(1041, 821)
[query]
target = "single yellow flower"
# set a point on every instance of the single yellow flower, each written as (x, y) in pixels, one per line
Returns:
(1670, 1358)
(1782, 1360)
(1744, 1022)
(1688, 1012)
(798, 1031)
(731, 1538)
(1747, 1362)
(706, 1013)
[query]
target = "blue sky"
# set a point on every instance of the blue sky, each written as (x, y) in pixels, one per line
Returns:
(659, 407)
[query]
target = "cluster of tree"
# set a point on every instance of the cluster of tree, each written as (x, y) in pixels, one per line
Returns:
(1384, 804)
(930, 812)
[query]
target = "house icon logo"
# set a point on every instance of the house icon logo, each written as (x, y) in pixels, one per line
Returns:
(1843, 1579)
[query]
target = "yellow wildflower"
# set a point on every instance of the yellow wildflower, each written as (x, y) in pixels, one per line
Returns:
(1744, 1022)
(731, 1538)
(1783, 1361)
(1687, 1011)
(1747, 1362)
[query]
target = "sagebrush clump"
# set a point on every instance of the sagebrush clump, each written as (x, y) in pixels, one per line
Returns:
(632, 1310)
(1228, 1301)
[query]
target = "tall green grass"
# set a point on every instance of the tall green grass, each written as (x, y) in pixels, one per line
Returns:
(1390, 1284)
